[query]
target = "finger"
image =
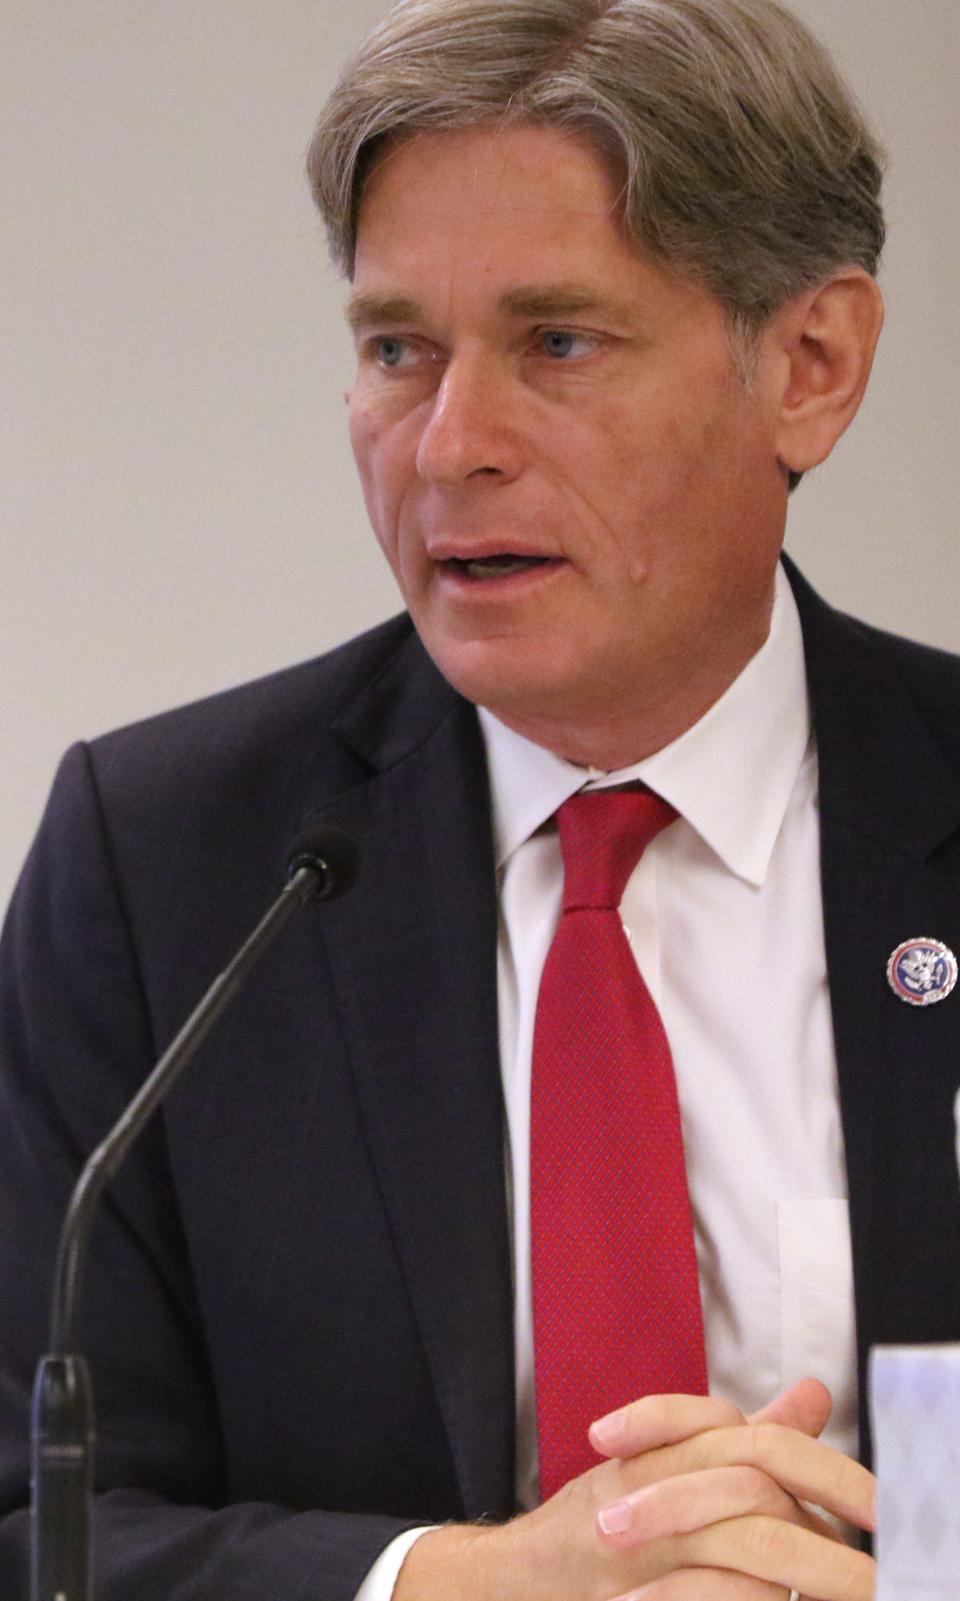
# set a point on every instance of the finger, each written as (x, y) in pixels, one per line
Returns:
(692, 1501)
(688, 1585)
(782, 1553)
(659, 1420)
(805, 1468)
(806, 1406)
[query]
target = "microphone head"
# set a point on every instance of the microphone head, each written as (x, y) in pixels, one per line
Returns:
(333, 855)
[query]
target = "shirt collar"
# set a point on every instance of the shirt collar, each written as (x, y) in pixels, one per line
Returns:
(730, 775)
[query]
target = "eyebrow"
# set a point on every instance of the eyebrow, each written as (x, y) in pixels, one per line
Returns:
(533, 300)
(367, 311)
(558, 300)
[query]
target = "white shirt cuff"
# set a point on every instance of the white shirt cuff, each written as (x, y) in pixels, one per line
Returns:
(379, 1582)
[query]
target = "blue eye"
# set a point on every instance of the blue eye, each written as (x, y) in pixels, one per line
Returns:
(390, 352)
(557, 342)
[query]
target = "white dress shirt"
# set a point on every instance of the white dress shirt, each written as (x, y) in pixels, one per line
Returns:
(724, 917)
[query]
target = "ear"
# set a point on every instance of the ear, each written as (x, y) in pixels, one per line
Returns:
(825, 341)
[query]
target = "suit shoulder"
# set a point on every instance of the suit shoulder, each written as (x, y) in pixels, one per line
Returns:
(928, 672)
(269, 749)
(306, 697)
(887, 668)
(922, 676)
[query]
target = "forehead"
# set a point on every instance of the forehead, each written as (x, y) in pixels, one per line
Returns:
(469, 195)
(519, 151)
(516, 221)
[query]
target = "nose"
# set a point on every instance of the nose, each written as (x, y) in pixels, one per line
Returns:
(471, 428)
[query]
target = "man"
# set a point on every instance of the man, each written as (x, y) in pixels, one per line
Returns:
(613, 293)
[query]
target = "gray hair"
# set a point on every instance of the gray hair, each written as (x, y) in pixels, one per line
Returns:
(745, 161)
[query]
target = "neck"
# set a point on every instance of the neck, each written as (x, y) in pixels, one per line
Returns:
(619, 734)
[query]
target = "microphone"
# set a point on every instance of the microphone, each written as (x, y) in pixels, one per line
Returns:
(322, 862)
(331, 853)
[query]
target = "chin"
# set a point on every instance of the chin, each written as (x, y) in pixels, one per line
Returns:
(511, 678)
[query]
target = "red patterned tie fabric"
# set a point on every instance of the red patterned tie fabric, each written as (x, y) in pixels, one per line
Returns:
(616, 1298)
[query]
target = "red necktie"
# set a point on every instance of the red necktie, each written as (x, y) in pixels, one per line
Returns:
(616, 1298)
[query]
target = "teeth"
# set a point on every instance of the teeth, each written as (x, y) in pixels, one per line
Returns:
(499, 566)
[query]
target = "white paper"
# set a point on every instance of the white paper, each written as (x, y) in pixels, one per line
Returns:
(915, 1406)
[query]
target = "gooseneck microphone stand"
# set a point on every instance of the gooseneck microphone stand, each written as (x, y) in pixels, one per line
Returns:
(323, 862)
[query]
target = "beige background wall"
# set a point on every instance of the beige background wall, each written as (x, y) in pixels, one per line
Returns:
(177, 505)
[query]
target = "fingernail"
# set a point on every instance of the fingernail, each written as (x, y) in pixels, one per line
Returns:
(609, 1430)
(615, 1519)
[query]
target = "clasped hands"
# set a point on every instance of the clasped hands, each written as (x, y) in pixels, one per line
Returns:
(695, 1502)
(707, 1489)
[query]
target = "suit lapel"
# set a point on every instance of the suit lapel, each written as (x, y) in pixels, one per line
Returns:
(890, 854)
(414, 961)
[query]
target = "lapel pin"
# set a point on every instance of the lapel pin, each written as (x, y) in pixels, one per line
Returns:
(922, 971)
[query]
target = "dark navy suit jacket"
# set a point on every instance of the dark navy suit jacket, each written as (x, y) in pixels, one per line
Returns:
(299, 1287)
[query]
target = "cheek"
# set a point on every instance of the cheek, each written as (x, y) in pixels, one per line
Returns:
(679, 455)
(366, 432)
(370, 441)
(654, 479)
(384, 439)
(629, 475)
(385, 452)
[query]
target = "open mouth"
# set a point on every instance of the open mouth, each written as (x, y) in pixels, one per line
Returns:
(502, 565)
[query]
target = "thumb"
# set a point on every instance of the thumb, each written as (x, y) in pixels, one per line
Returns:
(805, 1406)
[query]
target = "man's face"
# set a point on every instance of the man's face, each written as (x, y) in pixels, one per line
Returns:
(581, 503)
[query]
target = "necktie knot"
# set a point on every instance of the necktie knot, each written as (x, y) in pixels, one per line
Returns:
(603, 834)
